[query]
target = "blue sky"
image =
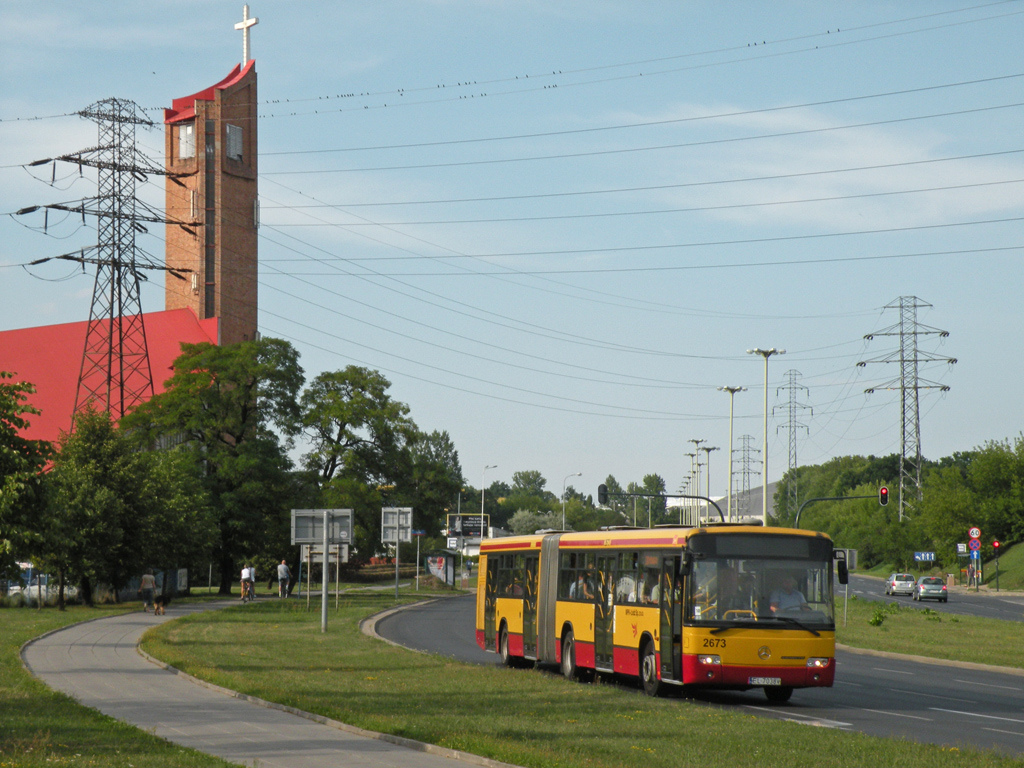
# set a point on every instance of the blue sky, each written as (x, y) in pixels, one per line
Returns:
(557, 228)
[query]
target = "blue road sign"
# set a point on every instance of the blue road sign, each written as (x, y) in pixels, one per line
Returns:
(975, 554)
(924, 557)
(974, 545)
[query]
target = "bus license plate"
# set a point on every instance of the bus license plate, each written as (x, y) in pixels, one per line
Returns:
(764, 681)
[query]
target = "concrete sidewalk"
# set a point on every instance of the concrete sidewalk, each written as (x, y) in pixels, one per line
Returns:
(98, 664)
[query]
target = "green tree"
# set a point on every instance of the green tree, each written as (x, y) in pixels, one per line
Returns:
(436, 479)
(114, 510)
(21, 473)
(237, 406)
(360, 448)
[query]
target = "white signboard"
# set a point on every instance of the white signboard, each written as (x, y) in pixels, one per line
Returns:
(395, 524)
(312, 553)
(308, 526)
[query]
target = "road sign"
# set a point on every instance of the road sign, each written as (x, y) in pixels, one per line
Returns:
(974, 533)
(975, 554)
(315, 553)
(961, 548)
(395, 524)
(974, 545)
(308, 526)
(924, 557)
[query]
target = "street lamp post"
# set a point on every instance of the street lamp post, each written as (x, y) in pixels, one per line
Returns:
(489, 466)
(574, 474)
(696, 448)
(732, 392)
(707, 461)
(765, 353)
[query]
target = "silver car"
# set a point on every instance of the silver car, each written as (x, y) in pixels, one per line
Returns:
(930, 588)
(900, 584)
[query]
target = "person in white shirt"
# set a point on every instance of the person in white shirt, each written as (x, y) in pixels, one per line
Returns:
(246, 581)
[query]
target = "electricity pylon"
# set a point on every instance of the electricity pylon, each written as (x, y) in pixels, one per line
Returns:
(792, 425)
(115, 373)
(909, 384)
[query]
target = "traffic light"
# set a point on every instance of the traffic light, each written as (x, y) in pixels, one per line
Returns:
(995, 547)
(883, 495)
(602, 494)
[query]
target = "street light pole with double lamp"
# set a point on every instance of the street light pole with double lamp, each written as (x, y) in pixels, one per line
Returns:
(765, 353)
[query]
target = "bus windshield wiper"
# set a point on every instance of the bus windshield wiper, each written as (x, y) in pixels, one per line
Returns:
(790, 620)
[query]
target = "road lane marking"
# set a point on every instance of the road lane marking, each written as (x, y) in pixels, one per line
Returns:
(794, 717)
(898, 714)
(893, 671)
(1000, 730)
(978, 714)
(933, 696)
(990, 685)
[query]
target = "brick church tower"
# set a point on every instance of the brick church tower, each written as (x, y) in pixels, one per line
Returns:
(211, 138)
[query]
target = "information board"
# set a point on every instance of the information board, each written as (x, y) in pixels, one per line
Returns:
(308, 526)
(468, 526)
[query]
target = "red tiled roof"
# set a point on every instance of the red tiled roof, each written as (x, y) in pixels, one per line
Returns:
(50, 358)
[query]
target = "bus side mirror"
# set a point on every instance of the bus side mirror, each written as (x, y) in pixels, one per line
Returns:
(844, 573)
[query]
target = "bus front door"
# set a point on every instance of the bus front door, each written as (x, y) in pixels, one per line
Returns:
(671, 620)
(604, 614)
(530, 607)
(490, 601)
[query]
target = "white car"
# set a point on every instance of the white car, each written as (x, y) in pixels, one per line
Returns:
(900, 584)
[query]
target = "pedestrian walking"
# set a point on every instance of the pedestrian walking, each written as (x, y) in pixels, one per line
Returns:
(147, 588)
(284, 577)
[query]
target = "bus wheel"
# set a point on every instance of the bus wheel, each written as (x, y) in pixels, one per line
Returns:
(506, 657)
(569, 656)
(649, 670)
(778, 694)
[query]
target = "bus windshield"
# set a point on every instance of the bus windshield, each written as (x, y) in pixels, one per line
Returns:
(732, 582)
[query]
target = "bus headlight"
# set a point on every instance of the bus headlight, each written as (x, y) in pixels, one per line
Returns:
(819, 663)
(709, 658)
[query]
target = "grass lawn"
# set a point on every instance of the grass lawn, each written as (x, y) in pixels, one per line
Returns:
(921, 630)
(521, 717)
(39, 727)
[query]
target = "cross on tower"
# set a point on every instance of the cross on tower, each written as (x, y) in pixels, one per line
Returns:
(244, 25)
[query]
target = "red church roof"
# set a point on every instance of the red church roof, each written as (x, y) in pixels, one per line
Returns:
(185, 107)
(50, 358)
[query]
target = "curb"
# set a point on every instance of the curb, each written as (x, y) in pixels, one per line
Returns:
(931, 660)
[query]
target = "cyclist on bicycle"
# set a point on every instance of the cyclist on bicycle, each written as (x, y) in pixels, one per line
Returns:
(247, 583)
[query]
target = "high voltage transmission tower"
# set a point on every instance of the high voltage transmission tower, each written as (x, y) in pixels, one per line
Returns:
(115, 373)
(748, 466)
(909, 384)
(793, 425)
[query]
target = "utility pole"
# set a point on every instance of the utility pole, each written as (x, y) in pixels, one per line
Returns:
(792, 425)
(909, 383)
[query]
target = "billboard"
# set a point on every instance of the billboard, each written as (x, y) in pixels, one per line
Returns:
(468, 526)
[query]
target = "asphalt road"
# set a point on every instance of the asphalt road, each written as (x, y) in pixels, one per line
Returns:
(1008, 606)
(893, 697)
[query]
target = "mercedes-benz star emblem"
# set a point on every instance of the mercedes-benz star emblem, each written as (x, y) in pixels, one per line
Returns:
(764, 652)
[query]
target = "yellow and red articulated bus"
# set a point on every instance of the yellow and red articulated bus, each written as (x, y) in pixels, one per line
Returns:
(720, 606)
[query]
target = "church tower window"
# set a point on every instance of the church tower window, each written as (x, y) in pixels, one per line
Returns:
(186, 141)
(234, 142)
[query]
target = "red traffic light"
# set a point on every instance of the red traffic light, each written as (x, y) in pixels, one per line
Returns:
(883, 495)
(995, 545)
